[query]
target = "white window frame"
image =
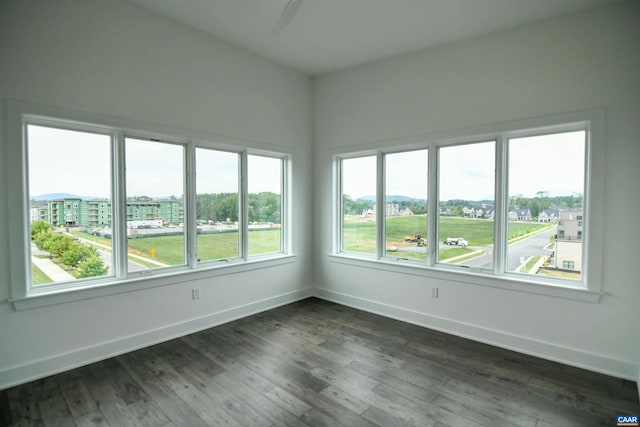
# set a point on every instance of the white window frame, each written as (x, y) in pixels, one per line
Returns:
(588, 288)
(25, 296)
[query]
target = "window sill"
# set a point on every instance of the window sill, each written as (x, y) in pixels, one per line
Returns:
(48, 296)
(470, 277)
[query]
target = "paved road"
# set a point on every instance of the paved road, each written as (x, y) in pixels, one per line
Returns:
(131, 265)
(106, 256)
(522, 249)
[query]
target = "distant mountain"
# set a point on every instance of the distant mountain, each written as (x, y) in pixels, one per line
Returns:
(392, 198)
(53, 196)
(404, 199)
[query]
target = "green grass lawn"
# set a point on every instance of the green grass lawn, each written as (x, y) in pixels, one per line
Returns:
(264, 242)
(448, 253)
(218, 246)
(170, 249)
(360, 235)
(87, 236)
(531, 262)
(38, 277)
(211, 246)
(560, 273)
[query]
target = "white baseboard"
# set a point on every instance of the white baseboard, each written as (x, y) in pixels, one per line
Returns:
(83, 356)
(544, 350)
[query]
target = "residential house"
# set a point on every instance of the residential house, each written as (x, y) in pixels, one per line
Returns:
(568, 251)
(549, 215)
(520, 215)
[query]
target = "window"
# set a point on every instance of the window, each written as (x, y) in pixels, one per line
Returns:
(509, 204)
(545, 172)
(265, 204)
(155, 204)
(358, 218)
(66, 166)
(405, 207)
(103, 204)
(466, 188)
(217, 204)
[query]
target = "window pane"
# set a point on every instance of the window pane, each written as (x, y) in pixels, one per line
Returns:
(406, 177)
(265, 204)
(546, 187)
(466, 204)
(358, 205)
(155, 204)
(217, 204)
(70, 207)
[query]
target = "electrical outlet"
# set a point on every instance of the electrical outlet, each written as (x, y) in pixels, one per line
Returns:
(434, 292)
(195, 293)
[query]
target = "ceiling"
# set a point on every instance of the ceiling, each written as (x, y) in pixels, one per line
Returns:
(329, 35)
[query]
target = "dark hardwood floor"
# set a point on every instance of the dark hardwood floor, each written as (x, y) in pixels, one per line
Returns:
(321, 364)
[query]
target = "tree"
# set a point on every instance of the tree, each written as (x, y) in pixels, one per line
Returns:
(542, 202)
(42, 238)
(77, 253)
(217, 207)
(457, 211)
(39, 226)
(264, 207)
(58, 244)
(92, 267)
(355, 207)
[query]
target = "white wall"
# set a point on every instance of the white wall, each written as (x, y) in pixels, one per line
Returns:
(581, 62)
(113, 58)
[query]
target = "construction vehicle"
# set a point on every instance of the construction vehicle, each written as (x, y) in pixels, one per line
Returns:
(416, 238)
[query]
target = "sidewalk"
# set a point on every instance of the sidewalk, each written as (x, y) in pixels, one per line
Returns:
(534, 268)
(470, 255)
(54, 272)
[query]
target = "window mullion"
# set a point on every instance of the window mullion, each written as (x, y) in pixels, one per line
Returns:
(243, 217)
(380, 207)
(432, 207)
(190, 206)
(285, 203)
(338, 206)
(119, 207)
(501, 202)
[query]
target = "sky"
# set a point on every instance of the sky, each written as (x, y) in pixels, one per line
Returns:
(407, 174)
(467, 172)
(551, 163)
(78, 163)
(216, 171)
(63, 161)
(154, 169)
(359, 177)
(265, 174)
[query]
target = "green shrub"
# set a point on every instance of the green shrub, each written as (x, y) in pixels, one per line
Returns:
(92, 267)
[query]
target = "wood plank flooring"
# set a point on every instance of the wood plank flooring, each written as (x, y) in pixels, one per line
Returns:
(317, 363)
